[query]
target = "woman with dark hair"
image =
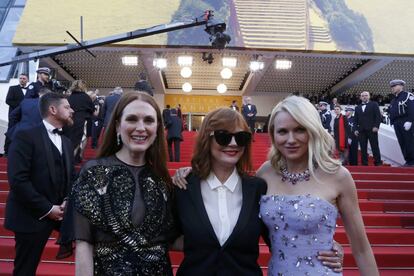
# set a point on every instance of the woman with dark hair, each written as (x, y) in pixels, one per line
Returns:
(83, 106)
(123, 219)
(219, 209)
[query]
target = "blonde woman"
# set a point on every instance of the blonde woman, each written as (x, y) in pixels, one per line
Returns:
(307, 189)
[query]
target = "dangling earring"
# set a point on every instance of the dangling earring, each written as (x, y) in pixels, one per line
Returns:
(118, 139)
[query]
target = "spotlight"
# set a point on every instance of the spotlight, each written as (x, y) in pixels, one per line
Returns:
(226, 73)
(256, 65)
(187, 87)
(185, 60)
(186, 72)
(130, 60)
(229, 61)
(283, 64)
(160, 63)
(221, 88)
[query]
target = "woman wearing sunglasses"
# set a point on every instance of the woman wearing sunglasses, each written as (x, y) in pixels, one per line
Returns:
(218, 212)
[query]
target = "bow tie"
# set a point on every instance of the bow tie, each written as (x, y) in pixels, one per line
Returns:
(57, 131)
(364, 104)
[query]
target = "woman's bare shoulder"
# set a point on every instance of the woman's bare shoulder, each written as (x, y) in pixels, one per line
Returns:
(264, 169)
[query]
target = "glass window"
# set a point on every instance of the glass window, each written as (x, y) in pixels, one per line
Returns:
(6, 53)
(4, 3)
(19, 2)
(9, 27)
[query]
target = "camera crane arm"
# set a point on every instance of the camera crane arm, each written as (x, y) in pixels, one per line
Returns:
(205, 19)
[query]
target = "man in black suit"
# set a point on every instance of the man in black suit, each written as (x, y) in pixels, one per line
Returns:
(249, 112)
(40, 172)
(143, 85)
(109, 105)
(367, 120)
(234, 106)
(14, 97)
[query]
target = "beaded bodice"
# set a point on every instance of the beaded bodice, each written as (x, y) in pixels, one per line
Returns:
(105, 195)
(299, 226)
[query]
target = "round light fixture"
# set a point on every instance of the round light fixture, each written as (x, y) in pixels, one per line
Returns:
(186, 72)
(221, 88)
(187, 87)
(226, 73)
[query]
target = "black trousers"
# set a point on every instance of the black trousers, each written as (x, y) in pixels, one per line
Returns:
(365, 136)
(353, 152)
(176, 156)
(29, 248)
(406, 141)
(251, 123)
(96, 131)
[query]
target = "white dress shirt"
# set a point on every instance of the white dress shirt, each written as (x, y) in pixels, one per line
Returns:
(54, 137)
(223, 203)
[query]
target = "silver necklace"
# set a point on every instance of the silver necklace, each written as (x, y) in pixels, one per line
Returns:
(293, 178)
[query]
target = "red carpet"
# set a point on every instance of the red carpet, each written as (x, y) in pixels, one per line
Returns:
(386, 199)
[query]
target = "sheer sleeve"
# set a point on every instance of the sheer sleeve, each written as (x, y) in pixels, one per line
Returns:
(83, 228)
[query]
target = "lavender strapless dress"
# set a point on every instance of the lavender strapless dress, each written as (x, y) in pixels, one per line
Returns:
(299, 226)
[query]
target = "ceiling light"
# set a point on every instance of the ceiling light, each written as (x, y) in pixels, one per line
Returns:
(221, 88)
(185, 60)
(186, 72)
(160, 63)
(283, 64)
(226, 73)
(130, 60)
(256, 65)
(229, 61)
(187, 87)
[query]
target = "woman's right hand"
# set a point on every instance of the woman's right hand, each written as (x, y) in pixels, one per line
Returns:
(179, 177)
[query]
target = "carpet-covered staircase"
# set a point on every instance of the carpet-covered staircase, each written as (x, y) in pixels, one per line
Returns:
(386, 198)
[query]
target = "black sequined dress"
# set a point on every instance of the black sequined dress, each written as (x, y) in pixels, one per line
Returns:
(125, 212)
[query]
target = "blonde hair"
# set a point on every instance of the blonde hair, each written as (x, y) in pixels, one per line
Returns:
(321, 143)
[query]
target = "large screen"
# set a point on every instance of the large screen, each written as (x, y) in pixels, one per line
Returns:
(368, 26)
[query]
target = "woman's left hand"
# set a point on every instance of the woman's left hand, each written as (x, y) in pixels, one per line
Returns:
(334, 258)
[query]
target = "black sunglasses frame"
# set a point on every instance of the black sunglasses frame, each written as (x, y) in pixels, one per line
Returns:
(223, 137)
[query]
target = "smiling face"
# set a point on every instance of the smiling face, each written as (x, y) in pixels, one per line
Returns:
(137, 127)
(291, 139)
(226, 156)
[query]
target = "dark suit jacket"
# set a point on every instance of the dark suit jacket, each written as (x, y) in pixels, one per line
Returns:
(26, 115)
(14, 97)
(368, 119)
(246, 111)
(33, 185)
(203, 254)
(108, 107)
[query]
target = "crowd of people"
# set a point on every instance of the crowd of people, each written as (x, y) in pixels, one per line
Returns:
(124, 212)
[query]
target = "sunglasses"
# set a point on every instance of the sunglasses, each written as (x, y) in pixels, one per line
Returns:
(223, 137)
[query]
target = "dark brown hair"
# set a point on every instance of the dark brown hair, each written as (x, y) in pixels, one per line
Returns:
(156, 154)
(221, 118)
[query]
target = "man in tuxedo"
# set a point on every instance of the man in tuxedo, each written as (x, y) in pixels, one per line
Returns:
(40, 171)
(249, 112)
(14, 97)
(234, 106)
(367, 122)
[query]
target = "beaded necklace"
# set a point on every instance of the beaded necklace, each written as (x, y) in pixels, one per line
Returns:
(293, 178)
